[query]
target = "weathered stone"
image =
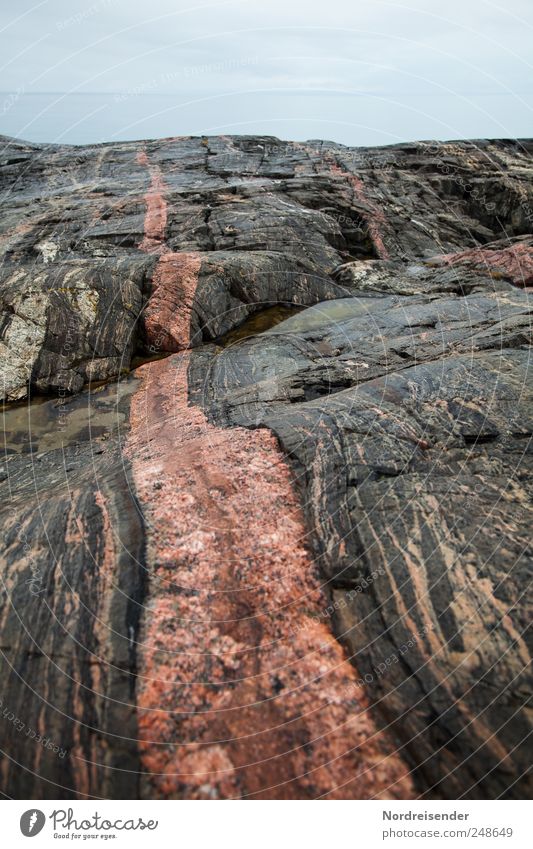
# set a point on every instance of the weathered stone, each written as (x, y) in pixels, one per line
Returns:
(77, 223)
(417, 491)
(72, 579)
(181, 548)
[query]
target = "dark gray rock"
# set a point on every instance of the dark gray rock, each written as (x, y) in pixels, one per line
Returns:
(408, 421)
(401, 396)
(72, 583)
(74, 277)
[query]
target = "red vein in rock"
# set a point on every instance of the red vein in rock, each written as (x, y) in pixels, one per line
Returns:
(515, 262)
(242, 688)
(155, 218)
(167, 316)
(374, 218)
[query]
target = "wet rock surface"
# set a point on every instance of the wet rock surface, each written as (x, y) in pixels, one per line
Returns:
(72, 586)
(292, 559)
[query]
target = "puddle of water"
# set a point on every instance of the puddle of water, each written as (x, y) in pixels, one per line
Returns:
(288, 319)
(259, 322)
(43, 424)
(326, 312)
(39, 424)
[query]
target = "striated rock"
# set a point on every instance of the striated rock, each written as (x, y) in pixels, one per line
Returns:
(67, 324)
(240, 679)
(417, 490)
(82, 230)
(292, 559)
(72, 585)
(513, 262)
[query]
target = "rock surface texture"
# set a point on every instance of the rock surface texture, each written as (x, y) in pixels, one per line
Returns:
(266, 481)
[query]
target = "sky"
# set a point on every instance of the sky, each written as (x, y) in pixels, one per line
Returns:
(359, 72)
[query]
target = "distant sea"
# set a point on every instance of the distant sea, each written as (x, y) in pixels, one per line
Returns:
(350, 118)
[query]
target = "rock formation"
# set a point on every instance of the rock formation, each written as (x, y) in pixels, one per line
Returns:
(267, 470)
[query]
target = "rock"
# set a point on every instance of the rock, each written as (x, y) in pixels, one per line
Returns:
(72, 583)
(508, 259)
(83, 228)
(68, 324)
(421, 527)
(289, 560)
(237, 613)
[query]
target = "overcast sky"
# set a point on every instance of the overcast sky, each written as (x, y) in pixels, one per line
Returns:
(355, 71)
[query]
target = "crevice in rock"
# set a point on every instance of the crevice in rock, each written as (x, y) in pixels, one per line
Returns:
(258, 322)
(480, 438)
